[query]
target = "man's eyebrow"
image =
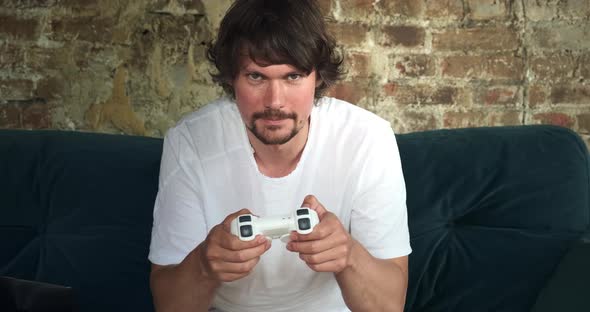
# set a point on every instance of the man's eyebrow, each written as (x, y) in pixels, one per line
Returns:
(248, 71)
(296, 72)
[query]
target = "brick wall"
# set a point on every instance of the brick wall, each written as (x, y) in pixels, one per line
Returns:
(138, 66)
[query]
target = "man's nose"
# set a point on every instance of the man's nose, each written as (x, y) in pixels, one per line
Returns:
(274, 95)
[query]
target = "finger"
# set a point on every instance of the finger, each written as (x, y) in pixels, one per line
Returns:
(312, 202)
(230, 277)
(231, 242)
(325, 256)
(243, 255)
(322, 230)
(334, 266)
(311, 246)
(221, 267)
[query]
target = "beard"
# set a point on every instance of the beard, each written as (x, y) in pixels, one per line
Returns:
(270, 135)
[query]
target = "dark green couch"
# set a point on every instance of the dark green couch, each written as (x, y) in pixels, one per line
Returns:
(497, 217)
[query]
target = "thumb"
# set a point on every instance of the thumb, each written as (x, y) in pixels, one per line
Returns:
(227, 221)
(313, 203)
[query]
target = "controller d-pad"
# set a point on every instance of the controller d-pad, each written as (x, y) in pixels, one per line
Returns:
(304, 224)
(301, 212)
(246, 230)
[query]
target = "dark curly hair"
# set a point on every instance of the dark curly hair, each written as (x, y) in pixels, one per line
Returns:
(275, 32)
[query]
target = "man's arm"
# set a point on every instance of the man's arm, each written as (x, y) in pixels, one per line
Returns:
(371, 284)
(184, 286)
(367, 283)
(222, 257)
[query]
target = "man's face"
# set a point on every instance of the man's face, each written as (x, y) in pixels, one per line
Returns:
(275, 101)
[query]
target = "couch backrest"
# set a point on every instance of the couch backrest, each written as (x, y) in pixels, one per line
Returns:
(76, 210)
(491, 213)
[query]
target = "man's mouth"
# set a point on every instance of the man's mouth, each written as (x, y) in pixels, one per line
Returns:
(273, 116)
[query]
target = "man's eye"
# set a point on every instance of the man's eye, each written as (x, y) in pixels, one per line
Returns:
(254, 76)
(294, 76)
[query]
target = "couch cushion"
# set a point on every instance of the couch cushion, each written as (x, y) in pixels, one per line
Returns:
(491, 213)
(567, 289)
(30, 296)
(77, 211)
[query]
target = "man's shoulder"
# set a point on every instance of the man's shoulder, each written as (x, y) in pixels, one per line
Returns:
(337, 113)
(215, 110)
(211, 129)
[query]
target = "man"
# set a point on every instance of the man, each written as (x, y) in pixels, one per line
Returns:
(275, 144)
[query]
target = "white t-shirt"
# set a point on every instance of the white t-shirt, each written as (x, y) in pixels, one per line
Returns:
(350, 163)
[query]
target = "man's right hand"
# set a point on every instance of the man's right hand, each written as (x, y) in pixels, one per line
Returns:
(224, 257)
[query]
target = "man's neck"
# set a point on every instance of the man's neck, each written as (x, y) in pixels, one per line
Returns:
(277, 161)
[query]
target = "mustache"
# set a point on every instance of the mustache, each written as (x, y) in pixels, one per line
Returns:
(273, 114)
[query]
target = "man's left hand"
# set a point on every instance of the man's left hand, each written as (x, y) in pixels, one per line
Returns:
(328, 247)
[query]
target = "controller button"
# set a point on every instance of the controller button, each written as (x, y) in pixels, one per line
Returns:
(246, 230)
(304, 224)
(301, 212)
(245, 219)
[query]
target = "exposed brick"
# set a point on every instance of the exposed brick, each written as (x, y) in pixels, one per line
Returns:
(551, 10)
(26, 4)
(10, 116)
(559, 37)
(183, 7)
(553, 66)
(570, 94)
(407, 36)
(412, 66)
(448, 9)
(79, 3)
(91, 29)
(174, 29)
(421, 94)
(583, 67)
(483, 67)
(508, 96)
(537, 95)
(488, 9)
(463, 119)
(540, 10)
(557, 119)
(404, 8)
(351, 91)
(18, 28)
(36, 116)
(417, 121)
(11, 56)
(325, 6)
(358, 64)
(574, 9)
(349, 34)
(583, 123)
(16, 89)
(357, 9)
(50, 88)
(510, 118)
(41, 59)
(497, 38)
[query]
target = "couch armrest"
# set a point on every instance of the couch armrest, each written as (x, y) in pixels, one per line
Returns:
(567, 289)
(31, 296)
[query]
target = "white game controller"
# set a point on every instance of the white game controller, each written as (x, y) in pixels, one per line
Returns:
(247, 226)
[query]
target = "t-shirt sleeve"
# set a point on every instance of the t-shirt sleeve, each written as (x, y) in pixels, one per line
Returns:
(179, 222)
(379, 215)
